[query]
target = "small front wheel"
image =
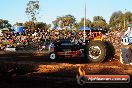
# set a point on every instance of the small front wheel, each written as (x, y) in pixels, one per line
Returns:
(53, 56)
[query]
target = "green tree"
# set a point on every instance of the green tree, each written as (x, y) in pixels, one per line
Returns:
(5, 24)
(43, 26)
(38, 25)
(56, 22)
(32, 10)
(69, 20)
(128, 16)
(99, 22)
(64, 21)
(98, 18)
(88, 22)
(118, 19)
(29, 25)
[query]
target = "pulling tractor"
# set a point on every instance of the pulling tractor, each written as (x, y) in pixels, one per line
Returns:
(95, 49)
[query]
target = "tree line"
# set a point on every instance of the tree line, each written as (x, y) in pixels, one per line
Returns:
(118, 21)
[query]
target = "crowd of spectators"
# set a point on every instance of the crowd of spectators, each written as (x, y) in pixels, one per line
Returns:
(28, 39)
(40, 39)
(36, 39)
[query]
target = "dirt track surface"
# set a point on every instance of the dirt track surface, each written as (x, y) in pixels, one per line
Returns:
(40, 72)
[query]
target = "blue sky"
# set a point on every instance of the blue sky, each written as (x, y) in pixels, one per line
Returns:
(14, 10)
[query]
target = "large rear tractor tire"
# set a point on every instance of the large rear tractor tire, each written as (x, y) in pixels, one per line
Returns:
(95, 51)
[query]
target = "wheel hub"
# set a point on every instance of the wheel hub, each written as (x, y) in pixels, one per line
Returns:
(94, 52)
(52, 56)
